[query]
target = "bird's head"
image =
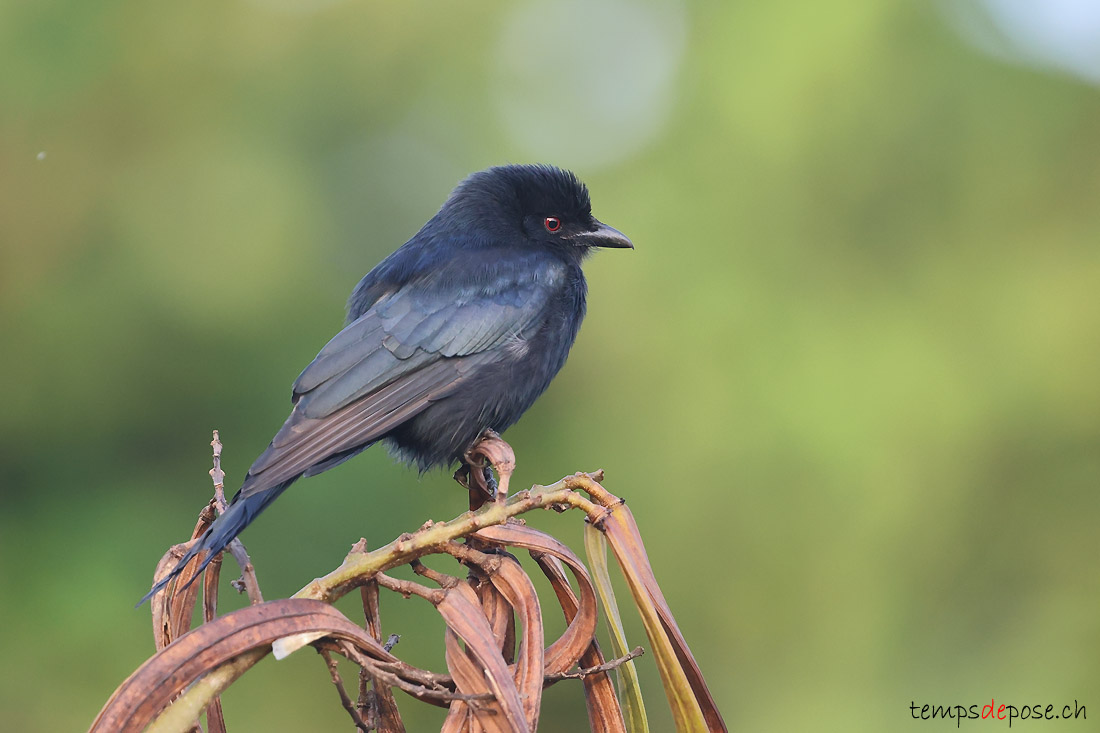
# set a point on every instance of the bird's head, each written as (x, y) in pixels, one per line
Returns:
(543, 205)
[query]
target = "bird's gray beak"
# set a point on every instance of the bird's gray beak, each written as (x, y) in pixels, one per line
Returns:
(603, 236)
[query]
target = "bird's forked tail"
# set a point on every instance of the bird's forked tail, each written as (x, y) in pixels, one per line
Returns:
(240, 513)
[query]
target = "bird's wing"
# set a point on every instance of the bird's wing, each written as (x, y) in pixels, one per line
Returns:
(412, 347)
(412, 327)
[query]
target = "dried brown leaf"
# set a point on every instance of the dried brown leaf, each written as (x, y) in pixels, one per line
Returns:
(483, 715)
(566, 651)
(604, 711)
(389, 718)
(693, 705)
(518, 590)
(577, 645)
(215, 719)
(462, 613)
(172, 610)
(149, 689)
(501, 617)
(159, 605)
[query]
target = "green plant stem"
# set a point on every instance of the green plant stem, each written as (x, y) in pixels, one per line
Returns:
(359, 567)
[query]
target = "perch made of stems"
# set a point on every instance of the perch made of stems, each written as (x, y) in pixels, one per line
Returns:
(495, 678)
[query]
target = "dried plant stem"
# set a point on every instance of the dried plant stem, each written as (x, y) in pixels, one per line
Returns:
(359, 567)
(236, 547)
(433, 687)
(497, 674)
(334, 674)
(482, 683)
(605, 667)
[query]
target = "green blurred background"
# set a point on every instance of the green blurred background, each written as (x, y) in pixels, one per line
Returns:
(848, 381)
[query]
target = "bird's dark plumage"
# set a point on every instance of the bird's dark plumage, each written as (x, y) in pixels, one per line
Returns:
(459, 330)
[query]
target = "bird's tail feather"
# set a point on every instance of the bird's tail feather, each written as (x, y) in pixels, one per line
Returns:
(242, 510)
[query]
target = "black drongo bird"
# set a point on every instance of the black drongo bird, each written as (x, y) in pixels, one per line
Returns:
(459, 330)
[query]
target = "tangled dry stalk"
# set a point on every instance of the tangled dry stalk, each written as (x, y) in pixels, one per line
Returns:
(497, 659)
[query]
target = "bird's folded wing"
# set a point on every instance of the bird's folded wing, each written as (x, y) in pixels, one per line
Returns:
(303, 441)
(407, 330)
(411, 348)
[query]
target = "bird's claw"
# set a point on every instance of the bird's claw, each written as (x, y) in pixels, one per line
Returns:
(487, 454)
(478, 480)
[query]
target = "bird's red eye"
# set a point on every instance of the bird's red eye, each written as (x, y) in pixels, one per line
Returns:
(552, 223)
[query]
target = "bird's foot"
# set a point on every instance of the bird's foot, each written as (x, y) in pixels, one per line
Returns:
(479, 481)
(490, 482)
(488, 453)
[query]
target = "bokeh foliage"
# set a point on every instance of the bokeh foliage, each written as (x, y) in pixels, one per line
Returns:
(853, 362)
